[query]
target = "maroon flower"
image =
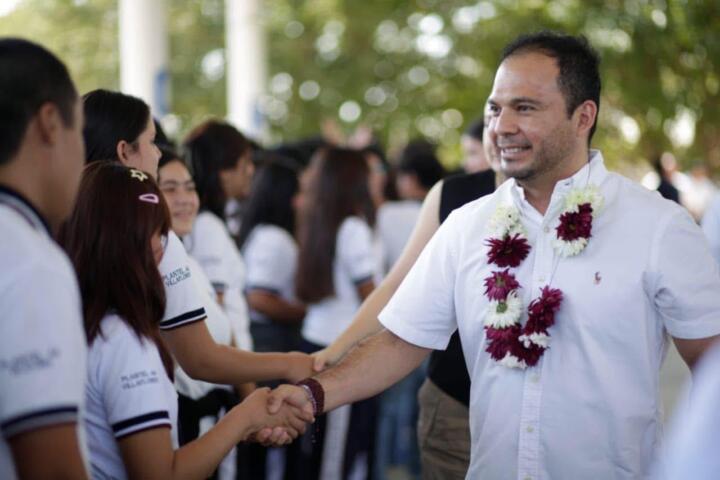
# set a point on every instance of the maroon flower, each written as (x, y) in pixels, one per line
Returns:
(541, 311)
(502, 340)
(499, 284)
(574, 225)
(508, 251)
(531, 355)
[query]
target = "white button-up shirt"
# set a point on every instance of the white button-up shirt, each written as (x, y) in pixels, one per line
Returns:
(590, 408)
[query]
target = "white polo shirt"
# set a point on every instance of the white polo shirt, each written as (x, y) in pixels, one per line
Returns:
(590, 408)
(354, 264)
(270, 254)
(42, 342)
(217, 324)
(213, 248)
(127, 391)
(395, 224)
(183, 303)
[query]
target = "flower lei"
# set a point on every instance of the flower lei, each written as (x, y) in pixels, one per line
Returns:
(509, 343)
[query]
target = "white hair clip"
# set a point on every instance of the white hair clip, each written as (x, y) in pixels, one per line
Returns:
(142, 176)
(149, 198)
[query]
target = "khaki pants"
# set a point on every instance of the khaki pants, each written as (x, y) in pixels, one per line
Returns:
(443, 435)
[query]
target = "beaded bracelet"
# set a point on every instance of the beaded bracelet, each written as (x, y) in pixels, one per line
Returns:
(315, 392)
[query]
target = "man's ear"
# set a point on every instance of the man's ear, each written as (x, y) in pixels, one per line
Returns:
(586, 113)
(49, 123)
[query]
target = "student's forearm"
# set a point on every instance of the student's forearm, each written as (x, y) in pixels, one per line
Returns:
(225, 363)
(372, 366)
(203, 359)
(199, 458)
(276, 308)
(365, 323)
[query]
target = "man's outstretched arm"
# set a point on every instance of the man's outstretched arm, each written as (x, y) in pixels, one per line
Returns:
(372, 366)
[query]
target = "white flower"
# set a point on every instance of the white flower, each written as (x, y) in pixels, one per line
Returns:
(570, 249)
(511, 361)
(504, 314)
(590, 194)
(539, 339)
(505, 220)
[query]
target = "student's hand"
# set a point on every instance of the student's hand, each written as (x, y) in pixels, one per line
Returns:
(270, 437)
(290, 395)
(300, 366)
(325, 358)
(289, 418)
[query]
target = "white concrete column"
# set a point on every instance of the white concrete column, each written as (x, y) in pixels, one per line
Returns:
(246, 67)
(144, 52)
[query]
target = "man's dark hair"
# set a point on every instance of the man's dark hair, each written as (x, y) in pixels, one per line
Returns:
(579, 78)
(476, 129)
(30, 76)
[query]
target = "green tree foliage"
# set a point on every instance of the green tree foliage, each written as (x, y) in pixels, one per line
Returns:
(420, 68)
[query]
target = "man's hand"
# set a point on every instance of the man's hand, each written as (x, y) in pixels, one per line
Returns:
(277, 428)
(300, 366)
(290, 395)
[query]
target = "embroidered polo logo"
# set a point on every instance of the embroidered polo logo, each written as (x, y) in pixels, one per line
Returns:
(597, 278)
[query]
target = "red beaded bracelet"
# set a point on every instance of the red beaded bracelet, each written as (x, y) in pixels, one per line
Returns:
(316, 393)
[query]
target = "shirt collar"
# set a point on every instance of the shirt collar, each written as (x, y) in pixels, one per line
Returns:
(22, 206)
(593, 172)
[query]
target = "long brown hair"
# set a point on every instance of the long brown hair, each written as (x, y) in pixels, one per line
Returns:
(107, 238)
(338, 189)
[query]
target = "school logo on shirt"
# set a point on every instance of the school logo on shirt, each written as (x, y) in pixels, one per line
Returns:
(138, 379)
(176, 276)
(29, 361)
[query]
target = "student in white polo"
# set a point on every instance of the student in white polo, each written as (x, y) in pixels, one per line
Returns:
(120, 128)
(219, 156)
(131, 404)
(336, 270)
(270, 253)
(42, 347)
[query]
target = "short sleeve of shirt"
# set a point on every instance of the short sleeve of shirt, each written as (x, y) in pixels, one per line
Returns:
(422, 311)
(210, 241)
(687, 286)
(355, 250)
(270, 259)
(42, 350)
(184, 303)
(131, 383)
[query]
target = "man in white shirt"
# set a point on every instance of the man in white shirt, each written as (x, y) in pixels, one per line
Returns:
(576, 395)
(42, 342)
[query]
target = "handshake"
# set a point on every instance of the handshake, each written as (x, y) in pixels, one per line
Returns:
(277, 417)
